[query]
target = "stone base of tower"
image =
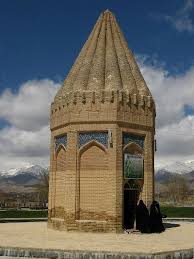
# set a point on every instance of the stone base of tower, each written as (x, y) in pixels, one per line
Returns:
(84, 225)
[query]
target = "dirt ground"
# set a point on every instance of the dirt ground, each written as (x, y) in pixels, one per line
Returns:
(178, 235)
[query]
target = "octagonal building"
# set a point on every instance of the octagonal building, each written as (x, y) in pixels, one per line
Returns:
(102, 137)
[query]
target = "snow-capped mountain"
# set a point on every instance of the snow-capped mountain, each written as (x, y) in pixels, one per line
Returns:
(34, 170)
(190, 163)
(30, 175)
(21, 178)
(184, 169)
(178, 167)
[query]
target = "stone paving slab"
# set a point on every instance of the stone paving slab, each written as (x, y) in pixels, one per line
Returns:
(35, 236)
(11, 253)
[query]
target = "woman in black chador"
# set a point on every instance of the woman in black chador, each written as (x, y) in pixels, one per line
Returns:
(156, 225)
(142, 218)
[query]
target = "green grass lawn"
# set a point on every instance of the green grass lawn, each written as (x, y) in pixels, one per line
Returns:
(178, 212)
(23, 214)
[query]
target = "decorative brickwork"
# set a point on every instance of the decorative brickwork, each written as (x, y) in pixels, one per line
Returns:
(103, 109)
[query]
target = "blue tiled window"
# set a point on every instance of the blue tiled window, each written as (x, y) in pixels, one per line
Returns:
(60, 140)
(101, 137)
(127, 138)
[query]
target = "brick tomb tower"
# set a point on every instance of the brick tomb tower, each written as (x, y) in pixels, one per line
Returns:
(102, 137)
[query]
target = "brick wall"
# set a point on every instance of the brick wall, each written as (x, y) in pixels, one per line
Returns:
(95, 184)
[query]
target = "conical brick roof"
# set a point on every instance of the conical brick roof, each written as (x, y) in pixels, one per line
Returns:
(105, 63)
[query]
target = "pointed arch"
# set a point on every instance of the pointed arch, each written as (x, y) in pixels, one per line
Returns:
(126, 186)
(93, 181)
(133, 148)
(89, 145)
(60, 181)
(58, 149)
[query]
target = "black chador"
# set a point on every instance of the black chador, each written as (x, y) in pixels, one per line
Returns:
(142, 218)
(156, 225)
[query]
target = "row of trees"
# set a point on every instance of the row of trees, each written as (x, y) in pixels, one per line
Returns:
(43, 186)
(38, 197)
(176, 190)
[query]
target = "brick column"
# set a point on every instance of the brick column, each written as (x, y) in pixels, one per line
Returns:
(119, 178)
(148, 188)
(52, 172)
(71, 176)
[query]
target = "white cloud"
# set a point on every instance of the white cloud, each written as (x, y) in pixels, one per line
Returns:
(26, 140)
(175, 130)
(16, 142)
(176, 141)
(171, 93)
(29, 108)
(19, 148)
(182, 20)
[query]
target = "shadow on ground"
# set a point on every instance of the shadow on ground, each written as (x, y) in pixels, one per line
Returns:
(171, 225)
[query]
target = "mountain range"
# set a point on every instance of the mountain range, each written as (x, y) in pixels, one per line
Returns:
(184, 169)
(21, 179)
(26, 178)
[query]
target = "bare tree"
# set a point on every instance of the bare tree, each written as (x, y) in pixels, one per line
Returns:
(43, 186)
(178, 188)
(160, 192)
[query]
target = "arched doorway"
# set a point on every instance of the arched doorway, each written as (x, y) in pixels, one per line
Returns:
(131, 197)
(133, 174)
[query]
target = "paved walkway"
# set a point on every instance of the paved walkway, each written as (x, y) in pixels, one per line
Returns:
(2, 220)
(36, 235)
(13, 257)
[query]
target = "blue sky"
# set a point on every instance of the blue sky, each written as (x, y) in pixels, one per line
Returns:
(39, 43)
(40, 39)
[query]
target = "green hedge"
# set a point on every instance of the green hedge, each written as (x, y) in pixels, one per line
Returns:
(23, 214)
(178, 212)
